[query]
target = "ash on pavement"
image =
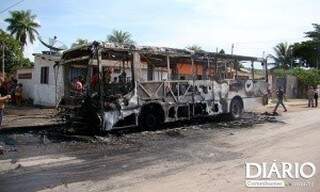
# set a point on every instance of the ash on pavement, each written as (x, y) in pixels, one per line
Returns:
(61, 135)
(98, 157)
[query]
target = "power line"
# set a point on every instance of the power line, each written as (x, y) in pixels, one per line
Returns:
(6, 9)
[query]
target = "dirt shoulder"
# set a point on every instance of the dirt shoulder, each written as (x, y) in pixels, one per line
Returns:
(27, 116)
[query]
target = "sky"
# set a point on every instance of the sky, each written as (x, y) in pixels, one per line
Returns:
(253, 26)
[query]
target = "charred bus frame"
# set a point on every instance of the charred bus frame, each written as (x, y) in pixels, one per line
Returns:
(142, 100)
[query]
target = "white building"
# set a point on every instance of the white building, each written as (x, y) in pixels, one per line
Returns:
(39, 82)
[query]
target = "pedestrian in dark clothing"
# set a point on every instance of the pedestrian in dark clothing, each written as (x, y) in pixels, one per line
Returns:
(316, 95)
(310, 95)
(280, 97)
(3, 101)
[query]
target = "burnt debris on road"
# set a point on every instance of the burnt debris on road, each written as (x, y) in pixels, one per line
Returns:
(117, 151)
(62, 134)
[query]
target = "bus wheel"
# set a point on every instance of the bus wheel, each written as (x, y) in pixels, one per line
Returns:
(236, 108)
(151, 117)
(151, 122)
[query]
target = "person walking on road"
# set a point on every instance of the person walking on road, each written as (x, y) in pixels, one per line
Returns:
(316, 95)
(280, 97)
(310, 95)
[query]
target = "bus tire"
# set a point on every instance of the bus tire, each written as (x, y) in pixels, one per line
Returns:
(236, 108)
(151, 117)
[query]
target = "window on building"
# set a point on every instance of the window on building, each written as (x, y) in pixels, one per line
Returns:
(25, 76)
(44, 76)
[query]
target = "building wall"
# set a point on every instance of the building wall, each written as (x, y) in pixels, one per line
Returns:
(43, 94)
(289, 83)
(292, 86)
(26, 82)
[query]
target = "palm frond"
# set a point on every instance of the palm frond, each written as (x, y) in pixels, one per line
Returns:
(23, 26)
(120, 37)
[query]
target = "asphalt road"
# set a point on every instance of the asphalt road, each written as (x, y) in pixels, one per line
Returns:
(192, 157)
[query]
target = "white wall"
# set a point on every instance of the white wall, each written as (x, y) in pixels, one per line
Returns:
(27, 83)
(43, 94)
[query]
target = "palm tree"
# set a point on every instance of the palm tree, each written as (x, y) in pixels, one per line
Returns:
(79, 42)
(195, 48)
(283, 55)
(23, 26)
(120, 37)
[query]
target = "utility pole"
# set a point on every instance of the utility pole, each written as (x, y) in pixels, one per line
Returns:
(318, 55)
(3, 56)
(266, 69)
(265, 65)
(208, 69)
(252, 69)
(232, 48)
(168, 68)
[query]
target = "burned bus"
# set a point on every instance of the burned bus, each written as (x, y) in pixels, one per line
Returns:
(111, 86)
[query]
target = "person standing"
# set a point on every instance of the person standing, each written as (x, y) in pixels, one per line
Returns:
(78, 86)
(280, 97)
(316, 95)
(3, 101)
(310, 95)
(12, 89)
(19, 94)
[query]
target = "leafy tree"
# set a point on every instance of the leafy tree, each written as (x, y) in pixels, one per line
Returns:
(315, 34)
(306, 52)
(13, 54)
(283, 55)
(307, 77)
(120, 37)
(79, 42)
(23, 26)
(222, 52)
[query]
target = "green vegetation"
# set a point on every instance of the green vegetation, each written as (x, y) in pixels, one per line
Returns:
(306, 76)
(283, 55)
(314, 35)
(305, 53)
(222, 52)
(308, 55)
(23, 26)
(13, 55)
(120, 37)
